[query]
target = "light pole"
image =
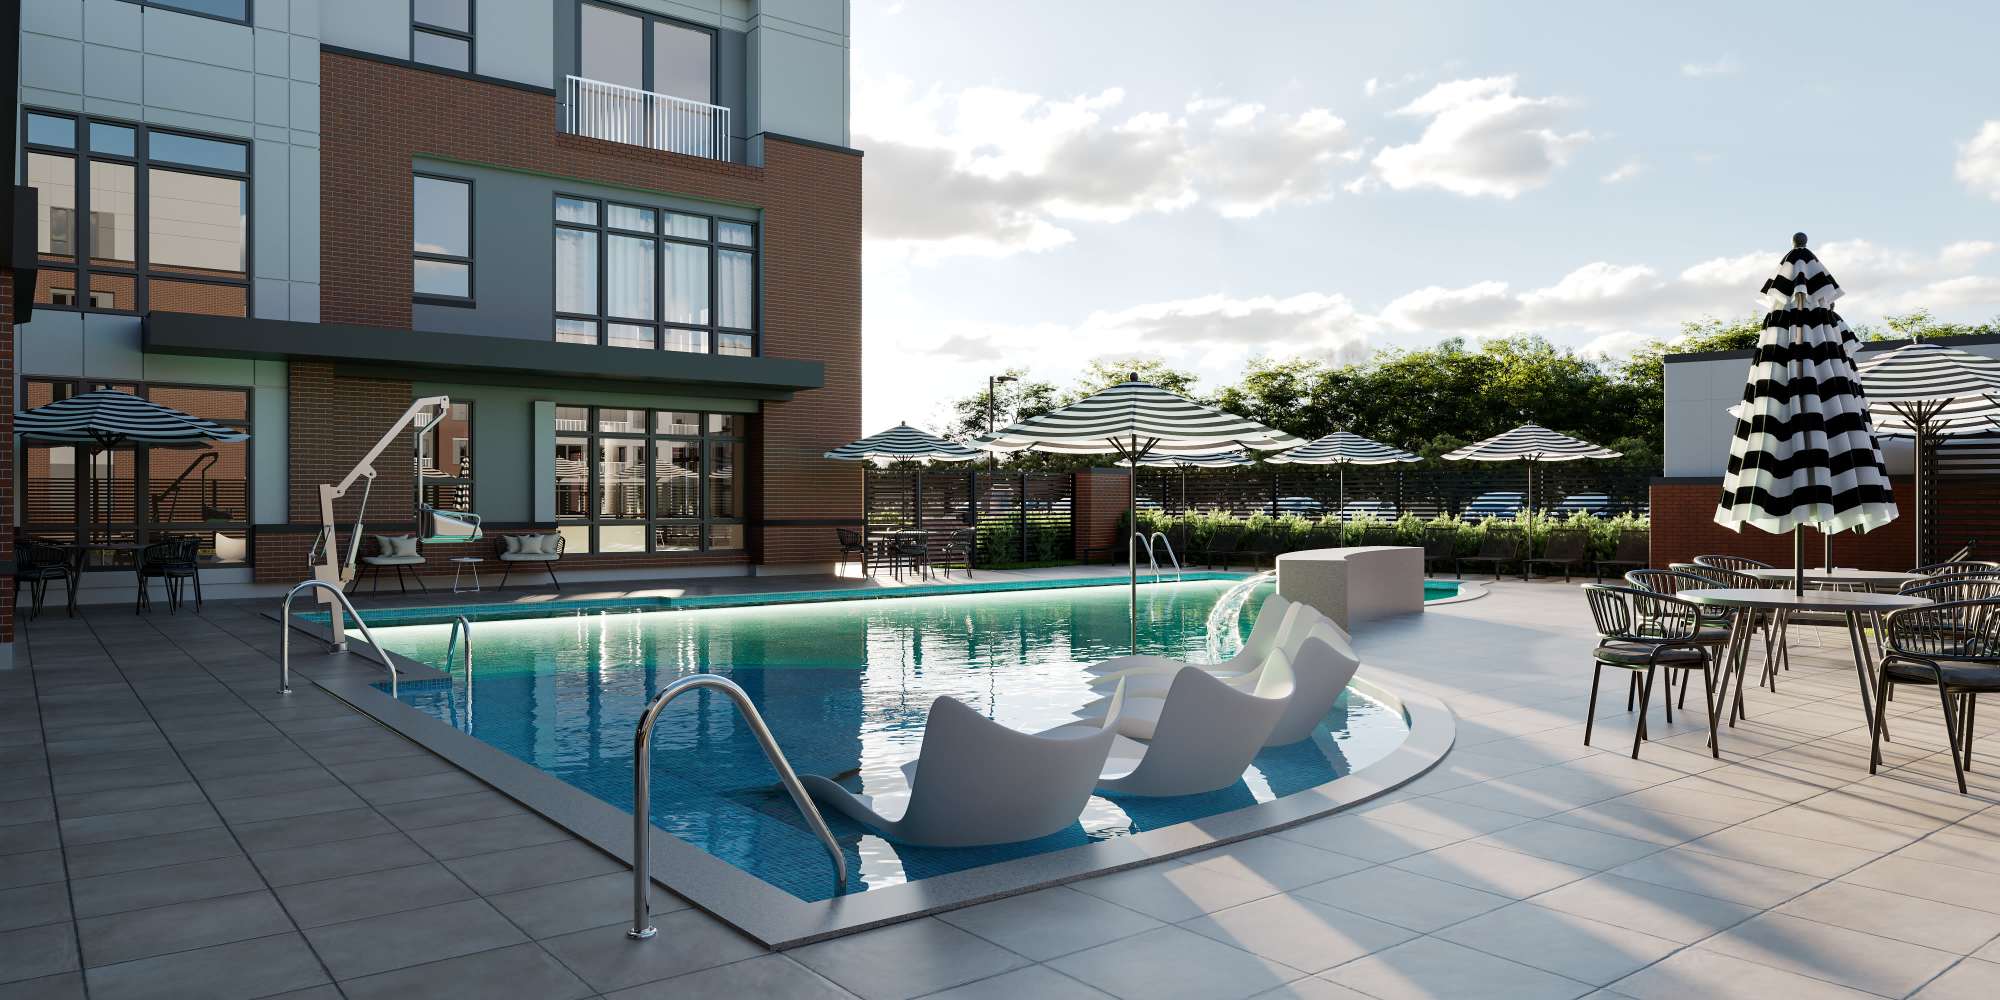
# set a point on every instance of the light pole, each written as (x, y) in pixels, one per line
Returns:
(992, 383)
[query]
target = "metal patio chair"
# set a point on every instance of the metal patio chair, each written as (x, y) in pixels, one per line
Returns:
(39, 563)
(1566, 547)
(852, 545)
(1640, 632)
(1734, 563)
(1440, 547)
(958, 550)
(1954, 647)
(1500, 546)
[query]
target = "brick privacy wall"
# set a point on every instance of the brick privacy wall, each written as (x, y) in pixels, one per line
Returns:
(1684, 527)
(1102, 499)
(375, 119)
(6, 448)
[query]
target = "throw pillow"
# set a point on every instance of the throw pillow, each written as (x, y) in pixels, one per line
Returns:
(510, 545)
(402, 545)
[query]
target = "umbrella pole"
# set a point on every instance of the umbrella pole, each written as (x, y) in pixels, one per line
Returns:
(1132, 543)
(1799, 560)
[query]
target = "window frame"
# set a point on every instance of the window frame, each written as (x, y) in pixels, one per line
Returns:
(469, 485)
(713, 331)
(167, 5)
(646, 21)
(471, 45)
(141, 271)
(470, 298)
(650, 439)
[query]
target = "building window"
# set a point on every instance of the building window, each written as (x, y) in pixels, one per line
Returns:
(448, 461)
(631, 480)
(441, 239)
(133, 218)
(646, 52)
(634, 276)
(441, 33)
(141, 495)
(227, 10)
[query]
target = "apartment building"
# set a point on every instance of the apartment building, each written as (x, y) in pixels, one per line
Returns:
(624, 237)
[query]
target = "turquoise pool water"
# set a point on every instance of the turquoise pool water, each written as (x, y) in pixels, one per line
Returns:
(846, 687)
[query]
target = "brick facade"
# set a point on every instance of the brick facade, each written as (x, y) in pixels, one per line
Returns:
(376, 118)
(1684, 527)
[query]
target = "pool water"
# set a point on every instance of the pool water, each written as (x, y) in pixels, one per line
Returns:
(846, 687)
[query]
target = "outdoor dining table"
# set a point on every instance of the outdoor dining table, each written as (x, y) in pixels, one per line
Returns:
(80, 557)
(1839, 576)
(881, 543)
(1849, 604)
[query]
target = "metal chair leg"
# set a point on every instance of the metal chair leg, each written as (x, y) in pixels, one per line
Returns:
(1590, 720)
(1645, 696)
(1951, 733)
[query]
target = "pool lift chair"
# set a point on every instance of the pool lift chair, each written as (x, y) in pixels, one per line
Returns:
(436, 526)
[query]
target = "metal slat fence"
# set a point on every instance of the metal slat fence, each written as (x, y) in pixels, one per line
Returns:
(1015, 517)
(1385, 491)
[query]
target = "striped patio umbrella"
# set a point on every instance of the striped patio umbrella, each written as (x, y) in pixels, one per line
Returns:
(1804, 451)
(1530, 443)
(1135, 421)
(1343, 449)
(107, 418)
(903, 443)
(1925, 391)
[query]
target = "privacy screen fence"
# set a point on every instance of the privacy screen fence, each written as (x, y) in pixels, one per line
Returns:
(1389, 492)
(1016, 517)
(1963, 504)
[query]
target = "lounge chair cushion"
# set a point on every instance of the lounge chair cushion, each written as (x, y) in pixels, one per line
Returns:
(412, 559)
(531, 548)
(1638, 654)
(396, 546)
(1981, 676)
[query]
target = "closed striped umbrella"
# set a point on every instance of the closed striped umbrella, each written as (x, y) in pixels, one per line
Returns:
(1925, 391)
(1530, 443)
(903, 443)
(1804, 451)
(1343, 449)
(1136, 420)
(107, 418)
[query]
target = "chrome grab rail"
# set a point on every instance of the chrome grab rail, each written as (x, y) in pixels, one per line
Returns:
(642, 773)
(339, 638)
(1152, 558)
(458, 624)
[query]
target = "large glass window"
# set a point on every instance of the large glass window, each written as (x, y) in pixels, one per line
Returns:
(441, 231)
(140, 496)
(441, 33)
(666, 280)
(447, 456)
(133, 219)
(649, 480)
(646, 52)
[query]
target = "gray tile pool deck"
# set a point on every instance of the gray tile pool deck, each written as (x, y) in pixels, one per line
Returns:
(171, 827)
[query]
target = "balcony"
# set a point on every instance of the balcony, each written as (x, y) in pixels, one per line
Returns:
(598, 110)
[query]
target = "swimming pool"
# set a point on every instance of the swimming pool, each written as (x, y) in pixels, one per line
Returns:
(846, 686)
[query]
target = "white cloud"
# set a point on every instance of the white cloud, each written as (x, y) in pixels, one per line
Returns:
(1725, 66)
(1979, 161)
(1375, 86)
(1615, 346)
(1624, 172)
(991, 171)
(1478, 306)
(1481, 139)
(1965, 253)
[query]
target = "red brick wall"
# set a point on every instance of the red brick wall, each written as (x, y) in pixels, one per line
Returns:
(1684, 527)
(7, 449)
(376, 118)
(1102, 498)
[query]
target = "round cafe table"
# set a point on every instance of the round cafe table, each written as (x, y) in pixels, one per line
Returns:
(1851, 605)
(1839, 576)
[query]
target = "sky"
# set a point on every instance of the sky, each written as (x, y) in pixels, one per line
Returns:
(1049, 183)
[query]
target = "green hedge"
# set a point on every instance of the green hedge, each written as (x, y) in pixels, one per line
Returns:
(1048, 540)
(1290, 533)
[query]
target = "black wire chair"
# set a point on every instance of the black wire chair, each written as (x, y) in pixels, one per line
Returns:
(38, 564)
(1957, 567)
(1735, 563)
(1640, 632)
(958, 549)
(1954, 647)
(852, 545)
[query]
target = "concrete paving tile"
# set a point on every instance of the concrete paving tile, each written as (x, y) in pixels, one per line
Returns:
(519, 971)
(441, 784)
(1037, 981)
(1492, 869)
(23, 811)
(1571, 845)
(410, 937)
(122, 937)
(1698, 972)
(353, 897)
(1312, 988)
(1813, 820)
(1445, 817)
(1929, 880)
(37, 952)
(394, 767)
(87, 860)
(454, 809)
(66, 986)
(1971, 979)
(1049, 922)
(291, 865)
(1711, 875)
(1946, 848)
(242, 786)
(1645, 907)
(318, 828)
(459, 840)
(146, 887)
(1430, 967)
(1404, 898)
(34, 905)
(527, 867)
(567, 907)
(688, 941)
(1172, 892)
(1298, 933)
(1563, 943)
(138, 823)
(1274, 862)
(1365, 837)
(77, 805)
(31, 868)
(284, 805)
(764, 976)
(244, 969)
(1894, 915)
(18, 789)
(1761, 847)
(1699, 803)
(1835, 954)
(1171, 962)
(29, 837)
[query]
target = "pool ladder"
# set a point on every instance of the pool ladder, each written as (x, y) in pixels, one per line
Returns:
(461, 624)
(642, 772)
(337, 637)
(1152, 558)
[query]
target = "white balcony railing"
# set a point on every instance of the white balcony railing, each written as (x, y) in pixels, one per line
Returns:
(598, 110)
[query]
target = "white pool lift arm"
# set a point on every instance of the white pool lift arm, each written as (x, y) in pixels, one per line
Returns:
(443, 526)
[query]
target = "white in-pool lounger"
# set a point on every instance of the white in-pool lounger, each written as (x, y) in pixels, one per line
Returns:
(1271, 617)
(978, 782)
(1321, 663)
(1208, 732)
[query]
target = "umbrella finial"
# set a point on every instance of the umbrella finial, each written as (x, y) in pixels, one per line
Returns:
(1799, 240)
(1131, 376)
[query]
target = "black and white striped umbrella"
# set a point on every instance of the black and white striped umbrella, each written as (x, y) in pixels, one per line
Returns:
(1208, 460)
(1342, 448)
(1925, 391)
(903, 443)
(107, 418)
(1530, 443)
(1804, 451)
(1136, 420)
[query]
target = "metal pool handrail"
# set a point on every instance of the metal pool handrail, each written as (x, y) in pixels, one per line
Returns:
(642, 772)
(339, 640)
(458, 624)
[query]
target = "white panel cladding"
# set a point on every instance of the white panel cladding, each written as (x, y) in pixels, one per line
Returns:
(511, 41)
(378, 26)
(798, 69)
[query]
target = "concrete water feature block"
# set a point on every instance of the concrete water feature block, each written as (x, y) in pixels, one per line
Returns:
(1355, 584)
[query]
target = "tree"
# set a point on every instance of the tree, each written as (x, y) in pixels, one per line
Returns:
(1104, 373)
(1012, 401)
(1919, 324)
